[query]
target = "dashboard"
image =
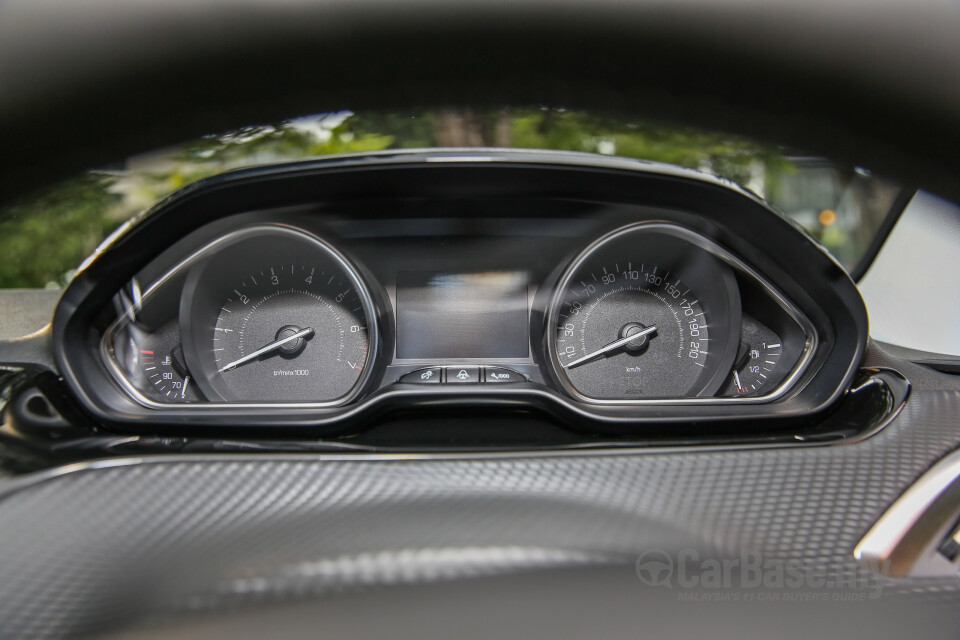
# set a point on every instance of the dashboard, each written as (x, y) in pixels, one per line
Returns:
(101, 537)
(328, 294)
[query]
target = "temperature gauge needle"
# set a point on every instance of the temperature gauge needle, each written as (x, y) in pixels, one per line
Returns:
(276, 344)
(610, 347)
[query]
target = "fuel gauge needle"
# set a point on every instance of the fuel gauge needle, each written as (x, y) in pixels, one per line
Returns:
(610, 347)
(276, 344)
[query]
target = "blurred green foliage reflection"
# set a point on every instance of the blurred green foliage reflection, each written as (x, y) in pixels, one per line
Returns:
(44, 238)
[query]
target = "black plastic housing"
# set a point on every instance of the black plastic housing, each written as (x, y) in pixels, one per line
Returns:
(597, 193)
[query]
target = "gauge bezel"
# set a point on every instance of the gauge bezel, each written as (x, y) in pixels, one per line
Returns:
(206, 252)
(700, 241)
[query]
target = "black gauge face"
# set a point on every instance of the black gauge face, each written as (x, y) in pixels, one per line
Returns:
(153, 364)
(756, 369)
(276, 317)
(291, 332)
(162, 365)
(645, 314)
(596, 323)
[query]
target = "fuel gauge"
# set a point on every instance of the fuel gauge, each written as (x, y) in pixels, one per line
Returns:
(755, 369)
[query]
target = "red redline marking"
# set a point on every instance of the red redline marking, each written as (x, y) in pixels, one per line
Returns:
(145, 351)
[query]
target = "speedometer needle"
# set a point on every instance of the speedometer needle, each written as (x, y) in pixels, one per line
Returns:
(610, 347)
(276, 344)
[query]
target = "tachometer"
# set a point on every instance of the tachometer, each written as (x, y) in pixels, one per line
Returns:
(646, 312)
(291, 332)
(277, 316)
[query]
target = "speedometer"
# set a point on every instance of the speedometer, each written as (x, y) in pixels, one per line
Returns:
(646, 312)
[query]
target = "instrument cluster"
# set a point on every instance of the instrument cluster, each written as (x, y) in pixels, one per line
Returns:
(271, 314)
(306, 297)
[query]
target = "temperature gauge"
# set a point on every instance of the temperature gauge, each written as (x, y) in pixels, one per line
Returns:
(152, 362)
(167, 373)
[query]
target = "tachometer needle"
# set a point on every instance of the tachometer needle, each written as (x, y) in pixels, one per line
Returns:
(610, 347)
(276, 344)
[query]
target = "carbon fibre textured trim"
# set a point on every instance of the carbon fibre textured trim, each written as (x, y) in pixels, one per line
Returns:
(91, 550)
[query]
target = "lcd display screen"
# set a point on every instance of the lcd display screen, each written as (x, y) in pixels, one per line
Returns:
(462, 315)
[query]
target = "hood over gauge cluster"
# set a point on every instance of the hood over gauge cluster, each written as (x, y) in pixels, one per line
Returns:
(619, 297)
